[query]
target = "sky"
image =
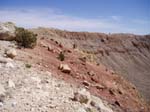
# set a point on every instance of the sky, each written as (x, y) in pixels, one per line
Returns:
(108, 16)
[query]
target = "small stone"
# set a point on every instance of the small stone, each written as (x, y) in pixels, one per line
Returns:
(83, 59)
(2, 93)
(43, 44)
(86, 83)
(96, 105)
(1, 104)
(9, 65)
(111, 91)
(46, 66)
(11, 84)
(117, 103)
(81, 110)
(69, 51)
(91, 73)
(5, 60)
(95, 79)
(56, 42)
(50, 48)
(60, 45)
(52, 106)
(93, 103)
(11, 53)
(112, 72)
(65, 68)
(14, 104)
(98, 86)
(2, 90)
(120, 91)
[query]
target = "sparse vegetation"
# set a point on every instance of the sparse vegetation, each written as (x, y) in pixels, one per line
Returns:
(28, 65)
(84, 100)
(25, 38)
(61, 56)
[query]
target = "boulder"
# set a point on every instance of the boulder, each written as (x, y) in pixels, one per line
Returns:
(11, 53)
(65, 68)
(7, 31)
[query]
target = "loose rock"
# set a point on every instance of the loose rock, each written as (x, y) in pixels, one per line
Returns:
(5, 60)
(86, 83)
(11, 84)
(99, 86)
(81, 110)
(65, 68)
(14, 104)
(1, 104)
(9, 65)
(2, 93)
(49, 48)
(82, 96)
(83, 59)
(91, 73)
(11, 53)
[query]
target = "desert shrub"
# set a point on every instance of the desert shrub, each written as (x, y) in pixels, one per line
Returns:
(25, 38)
(28, 65)
(61, 56)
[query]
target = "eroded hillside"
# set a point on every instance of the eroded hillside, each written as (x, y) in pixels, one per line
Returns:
(126, 54)
(40, 79)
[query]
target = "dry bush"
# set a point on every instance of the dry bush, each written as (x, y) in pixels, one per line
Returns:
(25, 38)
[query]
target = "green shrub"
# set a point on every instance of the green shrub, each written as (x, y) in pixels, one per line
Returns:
(28, 65)
(25, 38)
(61, 56)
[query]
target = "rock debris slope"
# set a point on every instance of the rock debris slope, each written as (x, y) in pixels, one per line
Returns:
(126, 54)
(25, 89)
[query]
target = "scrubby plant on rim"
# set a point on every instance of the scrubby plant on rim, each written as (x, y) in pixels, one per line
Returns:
(61, 56)
(25, 38)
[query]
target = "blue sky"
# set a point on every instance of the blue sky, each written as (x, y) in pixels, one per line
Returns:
(114, 16)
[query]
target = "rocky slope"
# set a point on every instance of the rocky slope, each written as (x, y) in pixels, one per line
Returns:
(126, 54)
(24, 89)
(36, 80)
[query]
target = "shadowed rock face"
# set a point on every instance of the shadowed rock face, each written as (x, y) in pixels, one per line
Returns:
(126, 54)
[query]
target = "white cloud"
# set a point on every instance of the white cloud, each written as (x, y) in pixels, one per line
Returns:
(116, 18)
(47, 17)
